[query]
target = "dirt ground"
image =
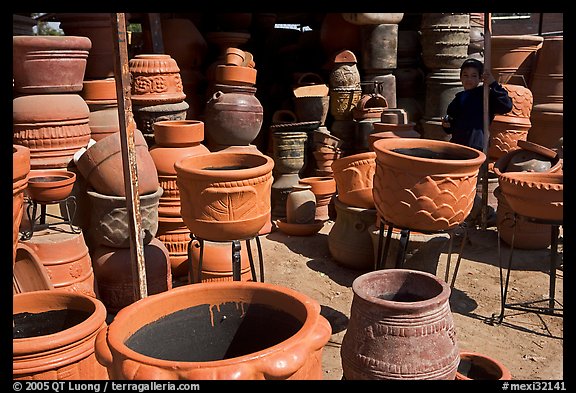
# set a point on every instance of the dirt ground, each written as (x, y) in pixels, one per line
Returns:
(530, 345)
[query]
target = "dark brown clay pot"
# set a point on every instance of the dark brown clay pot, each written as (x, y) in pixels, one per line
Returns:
(52, 126)
(49, 63)
(63, 349)
(476, 366)
(423, 184)
(225, 196)
(113, 271)
(101, 165)
(20, 174)
(354, 177)
(234, 330)
(401, 328)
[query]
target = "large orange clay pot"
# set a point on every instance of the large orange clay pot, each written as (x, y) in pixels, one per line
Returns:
(225, 195)
(61, 347)
(354, 177)
(423, 184)
(219, 330)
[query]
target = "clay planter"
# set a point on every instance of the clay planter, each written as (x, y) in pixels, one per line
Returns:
(225, 196)
(65, 256)
(311, 108)
(504, 142)
(100, 95)
(155, 80)
(354, 177)
(369, 106)
(51, 185)
(28, 273)
(235, 75)
(388, 130)
(401, 328)
(533, 194)
(475, 366)
(113, 272)
(110, 220)
(342, 102)
(175, 236)
(49, 64)
(547, 124)
(63, 346)
(324, 188)
(20, 174)
(510, 52)
(423, 184)
(101, 166)
(233, 330)
(52, 126)
(217, 262)
(184, 42)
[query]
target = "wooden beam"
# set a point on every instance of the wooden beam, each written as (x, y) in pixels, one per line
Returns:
(156, 32)
(127, 144)
(484, 167)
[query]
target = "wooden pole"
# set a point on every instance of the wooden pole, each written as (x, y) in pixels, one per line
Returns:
(127, 144)
(484, 168)
(156, 32)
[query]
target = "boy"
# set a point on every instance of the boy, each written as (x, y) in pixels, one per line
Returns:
(465, 114)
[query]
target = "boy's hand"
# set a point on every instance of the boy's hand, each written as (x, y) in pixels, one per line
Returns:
(446, 121)
(487, 77)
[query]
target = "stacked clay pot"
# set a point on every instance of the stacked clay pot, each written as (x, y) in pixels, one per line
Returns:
(100, 95)
(368, 111)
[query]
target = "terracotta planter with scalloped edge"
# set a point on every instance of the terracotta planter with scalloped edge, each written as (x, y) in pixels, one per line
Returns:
(233, 330)
(423, 184)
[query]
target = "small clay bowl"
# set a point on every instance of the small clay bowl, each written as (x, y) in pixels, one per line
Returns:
(299, 229)
(235, 75)
(235, 57)
(51, 185)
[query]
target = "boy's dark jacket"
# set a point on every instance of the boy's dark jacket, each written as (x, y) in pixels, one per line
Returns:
(466, 112)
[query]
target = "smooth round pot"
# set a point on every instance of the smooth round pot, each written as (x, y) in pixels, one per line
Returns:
(219, 330)
(424, 184)
(51, 185)
(475, 366)
(401, 328)
(60, 345)
(225, 196)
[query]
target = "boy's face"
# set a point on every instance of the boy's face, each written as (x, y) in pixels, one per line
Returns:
(470, 78)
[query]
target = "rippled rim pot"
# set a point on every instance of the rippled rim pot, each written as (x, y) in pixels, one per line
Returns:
(297, 357)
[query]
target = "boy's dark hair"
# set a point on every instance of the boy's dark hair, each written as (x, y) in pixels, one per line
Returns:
(473, 63)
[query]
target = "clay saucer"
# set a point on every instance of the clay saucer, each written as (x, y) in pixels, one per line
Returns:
(299, 229)
(535, 148)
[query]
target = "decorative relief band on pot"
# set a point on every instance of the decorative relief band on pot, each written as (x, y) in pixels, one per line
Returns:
(155, 80)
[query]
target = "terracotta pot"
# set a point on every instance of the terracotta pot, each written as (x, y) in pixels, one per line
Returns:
(510, 52)
(354, 177)
(28, 273)
(65, 256)
(217, 262)
(441, 87)
(101, 165)
(20, 174)
(113, 272)
(291, 335)
(225, 196)
(49, 63)
(324, 188)
(476, 366)
(515, 161)
(309, 229)
(444, 38)
(369, 106)
(401, 328)
(504, 142)
(301, 205)
(51, 185)
(379, 47)
(100, 95)
(312, 108)
(99, 91)
(387, 130)
(235, 75)
(175, 236)
(146, 115)
(528, 235)
(155, 80)
(534, 194)
(522, 100)
(547, 124)
(345, 74)
(110, 220)
(64, 347)
(52, 126)
(423, 184)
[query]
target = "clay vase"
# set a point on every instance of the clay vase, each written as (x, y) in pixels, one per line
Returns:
(20, 174)
(49, 64)
(423, 184)
(65, 256)
(476, 366)
(101, 166)
(233, 330)
(225, 196)
(354, 177)
(175, 139)
(59, 345)
(324, 189)
(349, 240)
(217, 262)
(113, 272)
(401, 328)
(52, 126)
(301, 205)
(155, 79)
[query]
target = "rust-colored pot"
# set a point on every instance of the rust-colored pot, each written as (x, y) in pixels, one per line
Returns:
(476, 366)
(423, 184)
(51, 185)
(20, 174)
(234, 330)
(324, 188)
(175, 236)
(354, 177)
(155, 80)
(401, 328)
(510, 53)
(236, 75)
(217, 262)
(64, 347)
(225, 196)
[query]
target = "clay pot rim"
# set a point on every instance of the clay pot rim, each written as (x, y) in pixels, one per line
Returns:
(321, 185)
(352, 160)
(299, 229)
(50, 191)
(359, 284)
(44, 301)
(235, 75)
(178, 132)
(505, 372)
(536, 148)
(52, 42)
(143, 197)
(550, 181)
(501, 163)
(35, 272)
(195, 166)
(220, 292)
